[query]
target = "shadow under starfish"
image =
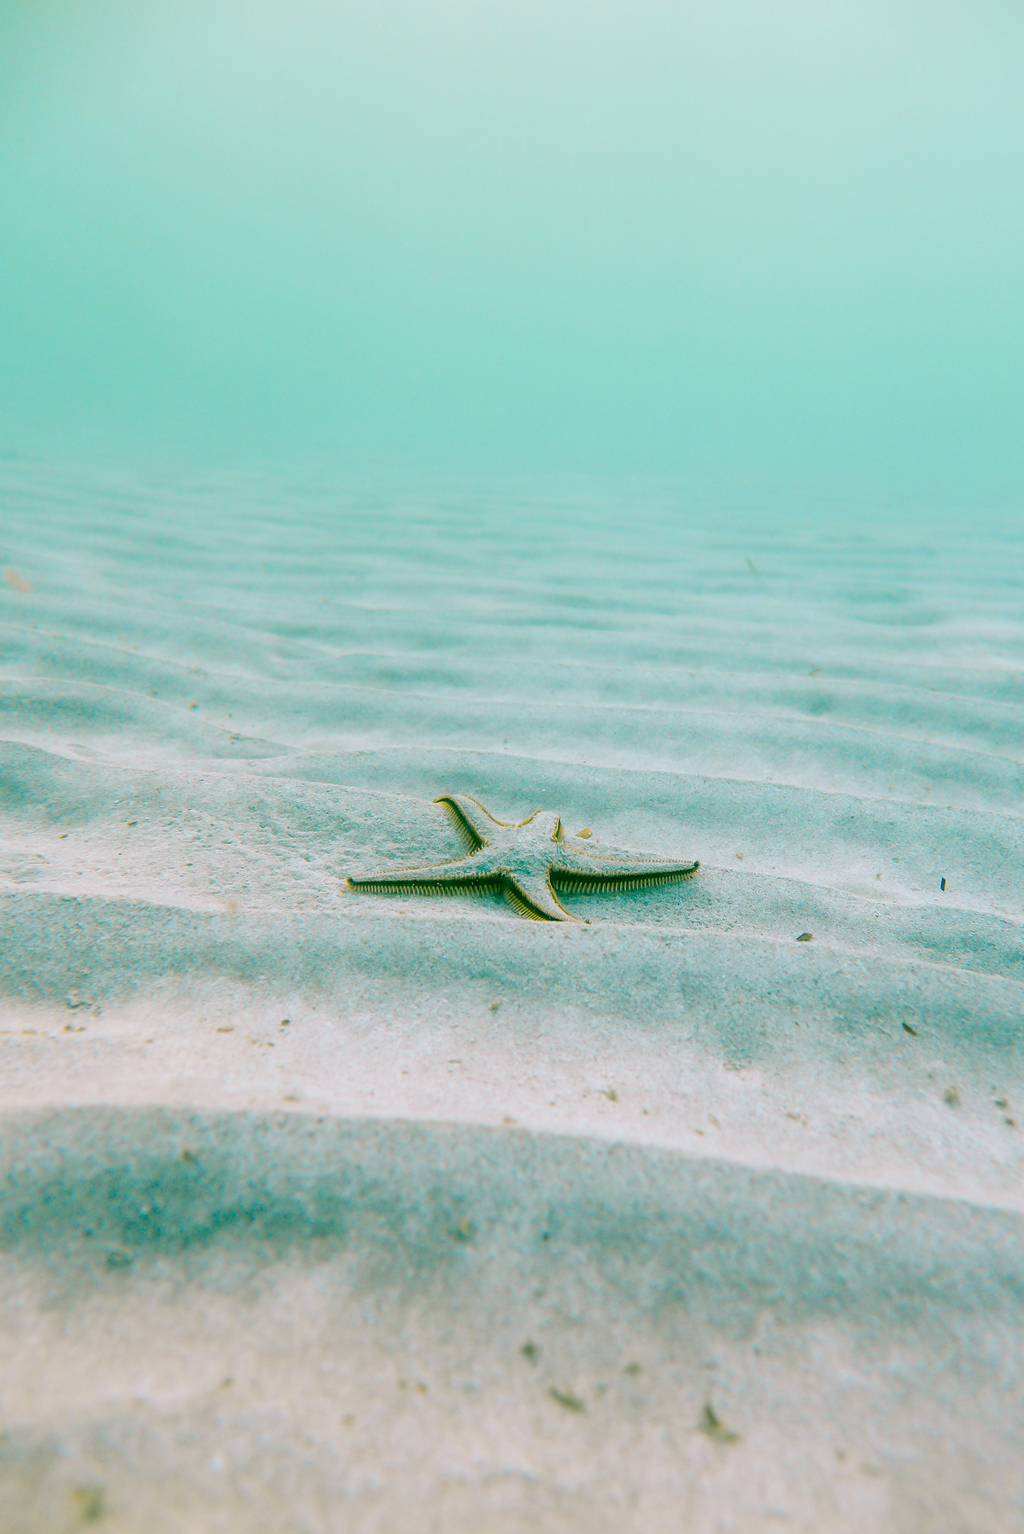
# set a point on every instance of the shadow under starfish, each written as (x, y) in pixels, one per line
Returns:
(524, 861)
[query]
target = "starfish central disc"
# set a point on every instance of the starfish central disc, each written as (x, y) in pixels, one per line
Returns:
(525, 861)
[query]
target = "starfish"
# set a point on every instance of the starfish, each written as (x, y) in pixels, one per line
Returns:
(524, 861)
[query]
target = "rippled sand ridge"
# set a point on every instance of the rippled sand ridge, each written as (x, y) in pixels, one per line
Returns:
(326, 1210)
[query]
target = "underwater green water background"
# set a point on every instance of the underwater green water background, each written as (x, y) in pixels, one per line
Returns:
(733, 240)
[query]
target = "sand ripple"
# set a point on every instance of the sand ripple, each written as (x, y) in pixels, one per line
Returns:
(216, 700)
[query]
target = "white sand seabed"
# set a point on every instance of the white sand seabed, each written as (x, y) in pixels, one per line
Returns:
(333, 1211)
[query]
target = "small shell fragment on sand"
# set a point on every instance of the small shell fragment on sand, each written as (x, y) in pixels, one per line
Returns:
(17, 582)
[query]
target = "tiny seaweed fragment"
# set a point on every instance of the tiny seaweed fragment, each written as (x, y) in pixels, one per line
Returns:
(88, 1502)
(712, 1427)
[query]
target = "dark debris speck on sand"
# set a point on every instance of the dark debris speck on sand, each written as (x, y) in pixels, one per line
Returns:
(712, 1427)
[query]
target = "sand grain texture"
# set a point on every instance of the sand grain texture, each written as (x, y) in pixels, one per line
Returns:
(328, 1211)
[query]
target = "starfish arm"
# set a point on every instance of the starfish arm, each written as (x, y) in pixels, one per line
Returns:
(531, 895)
(470, 817)
(420, 882)
(593, 871)
(472, 871)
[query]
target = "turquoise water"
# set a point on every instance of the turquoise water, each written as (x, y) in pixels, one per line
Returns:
(732, 240)
(614, 410)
